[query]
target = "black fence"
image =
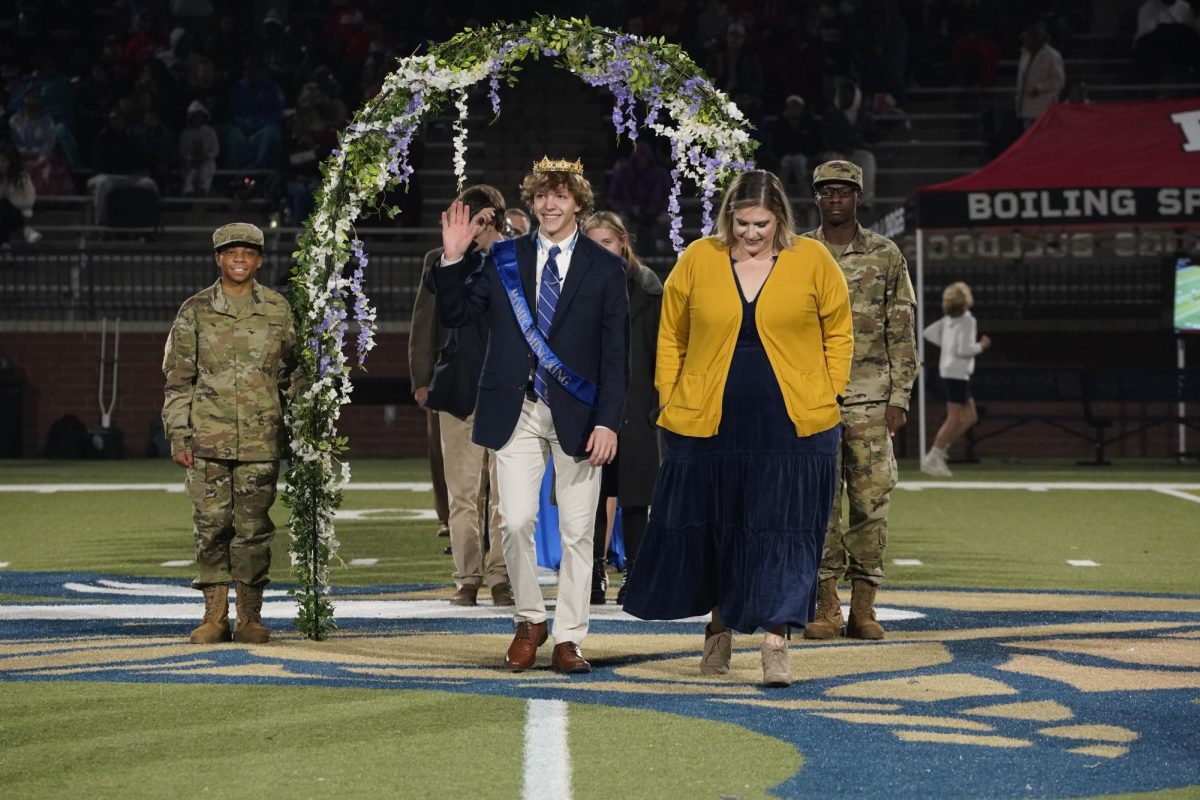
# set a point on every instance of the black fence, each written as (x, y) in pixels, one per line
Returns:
(146, 283)
(1059, 295)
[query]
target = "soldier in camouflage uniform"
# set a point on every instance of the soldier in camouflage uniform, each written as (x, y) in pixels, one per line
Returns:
(876, 401)
(230, 355)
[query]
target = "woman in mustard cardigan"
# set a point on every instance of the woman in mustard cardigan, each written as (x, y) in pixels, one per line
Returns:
(754, 352)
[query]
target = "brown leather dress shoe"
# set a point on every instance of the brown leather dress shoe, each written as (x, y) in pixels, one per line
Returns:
(523, 650)
(568, 660)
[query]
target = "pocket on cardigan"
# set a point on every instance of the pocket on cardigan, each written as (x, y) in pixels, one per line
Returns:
(689, 392)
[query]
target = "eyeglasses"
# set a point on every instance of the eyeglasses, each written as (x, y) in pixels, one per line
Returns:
(844, 192)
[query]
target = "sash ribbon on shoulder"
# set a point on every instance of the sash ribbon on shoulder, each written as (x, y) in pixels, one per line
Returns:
(504, 256)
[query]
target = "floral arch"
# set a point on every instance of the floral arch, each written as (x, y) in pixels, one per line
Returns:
(709, 142)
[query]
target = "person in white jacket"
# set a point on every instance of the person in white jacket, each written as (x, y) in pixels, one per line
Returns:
(955, 334)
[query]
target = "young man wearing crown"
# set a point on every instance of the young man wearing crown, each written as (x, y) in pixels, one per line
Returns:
(553, 383)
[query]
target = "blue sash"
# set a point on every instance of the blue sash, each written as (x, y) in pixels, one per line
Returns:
(504, 255)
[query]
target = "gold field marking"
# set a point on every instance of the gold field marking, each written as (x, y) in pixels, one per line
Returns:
(1101, 679)
(644, 688)
(1101, 750)
(1156, 652)
(863, 718)
(814, 705)
(452, 673)
(1099, 733)
(1033, 601)
(936, 737)
(1038, 711)
(924, 688)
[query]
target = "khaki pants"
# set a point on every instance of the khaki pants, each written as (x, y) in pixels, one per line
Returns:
(471, 486)
(520, 465)
(231, 505)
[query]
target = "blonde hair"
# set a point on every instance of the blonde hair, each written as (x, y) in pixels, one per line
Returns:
(757, 188)
(610, 220)
(575, 183)
(956, 299)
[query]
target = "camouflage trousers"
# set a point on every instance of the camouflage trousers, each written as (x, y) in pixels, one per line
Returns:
(231, 504)
(866, 476)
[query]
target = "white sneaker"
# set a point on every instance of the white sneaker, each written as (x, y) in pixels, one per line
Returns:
(32, 236)
(934, 463)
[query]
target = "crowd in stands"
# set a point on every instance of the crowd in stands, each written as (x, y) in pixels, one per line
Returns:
(194, 97)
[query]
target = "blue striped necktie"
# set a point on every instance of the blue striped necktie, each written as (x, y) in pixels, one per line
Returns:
(551, 287)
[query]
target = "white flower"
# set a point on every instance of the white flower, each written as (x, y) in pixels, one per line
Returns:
(460, 140)
(420, 82)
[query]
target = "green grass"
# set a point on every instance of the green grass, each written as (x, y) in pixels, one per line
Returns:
(134, 532)
(1144, 542)
(113, 740)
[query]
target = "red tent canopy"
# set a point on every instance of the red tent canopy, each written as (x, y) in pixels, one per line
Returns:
(1094, 164)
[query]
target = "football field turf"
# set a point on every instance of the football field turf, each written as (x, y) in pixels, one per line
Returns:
(1044, 641)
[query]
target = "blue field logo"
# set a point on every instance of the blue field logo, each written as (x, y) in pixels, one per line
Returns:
(1005, 693)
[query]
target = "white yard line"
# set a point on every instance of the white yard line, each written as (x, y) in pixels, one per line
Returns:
(1173, 489)
(547, 751)
(176, 488)
(1038, 486)
(1174, 492)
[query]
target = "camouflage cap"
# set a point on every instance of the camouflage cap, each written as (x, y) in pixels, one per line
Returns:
(237, 233)
(838, 171)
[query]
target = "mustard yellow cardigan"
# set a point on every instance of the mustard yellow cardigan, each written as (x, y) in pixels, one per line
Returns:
(803, 319)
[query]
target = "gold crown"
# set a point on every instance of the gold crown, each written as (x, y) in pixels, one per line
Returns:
(558, 165)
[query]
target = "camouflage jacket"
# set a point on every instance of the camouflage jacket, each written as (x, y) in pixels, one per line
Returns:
(225, 375)
(884, 305)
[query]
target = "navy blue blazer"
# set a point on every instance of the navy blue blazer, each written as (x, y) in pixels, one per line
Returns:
(589, 334)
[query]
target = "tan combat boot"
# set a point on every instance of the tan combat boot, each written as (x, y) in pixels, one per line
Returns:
(250, 629)
(718, 650)
(214, 627)
(862, 624)
(829, 621)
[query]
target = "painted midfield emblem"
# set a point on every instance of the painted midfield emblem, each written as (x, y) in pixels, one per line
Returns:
(1083, 694)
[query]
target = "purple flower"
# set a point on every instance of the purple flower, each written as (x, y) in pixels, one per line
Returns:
(494, 88)
(710, 171)
(673, 199)
(695, 88)
(415, 102)
(362, 309)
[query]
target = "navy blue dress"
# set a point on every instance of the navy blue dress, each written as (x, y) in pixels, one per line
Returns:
(738, 519)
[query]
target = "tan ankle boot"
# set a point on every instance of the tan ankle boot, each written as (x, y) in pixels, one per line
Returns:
(776, 669)
(250, 629)
(829, 621)
(215, 626)
(862, 624)
(718, 650)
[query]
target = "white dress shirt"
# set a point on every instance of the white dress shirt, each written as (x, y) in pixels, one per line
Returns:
(563, 262)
